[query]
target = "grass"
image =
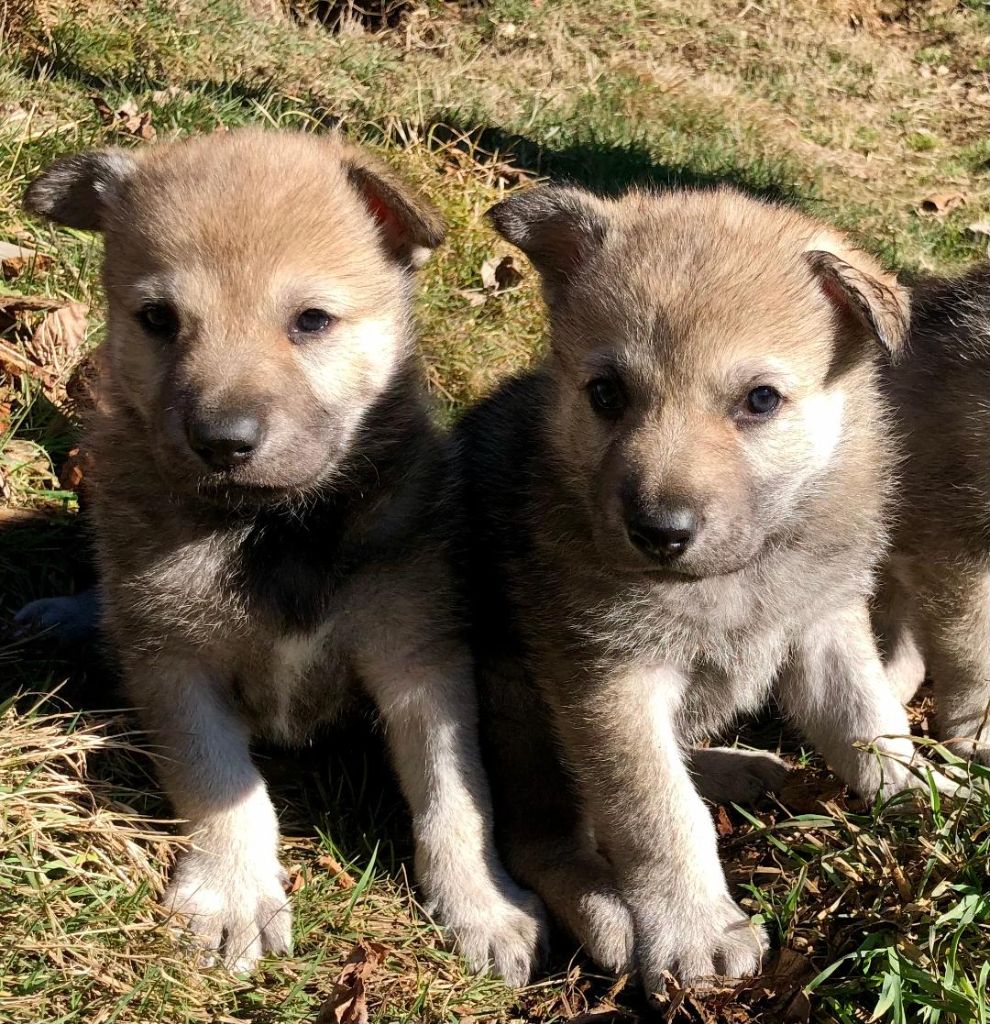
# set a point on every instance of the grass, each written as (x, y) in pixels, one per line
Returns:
(854, 109)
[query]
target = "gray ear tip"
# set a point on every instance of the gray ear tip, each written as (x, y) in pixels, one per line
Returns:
(43, 193)
(76, 190)
(496, 214)
(512, 217)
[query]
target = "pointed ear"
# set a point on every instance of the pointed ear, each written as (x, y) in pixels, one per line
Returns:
(80, 190)
(557, 228)
(410, 225)
(863, 294)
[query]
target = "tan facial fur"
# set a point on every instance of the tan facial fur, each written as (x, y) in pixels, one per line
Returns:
(687, 334)
(211, 231)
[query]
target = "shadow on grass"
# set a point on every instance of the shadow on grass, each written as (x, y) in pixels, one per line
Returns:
(610, 168)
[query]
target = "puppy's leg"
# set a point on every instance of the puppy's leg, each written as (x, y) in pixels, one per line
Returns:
(894, 623)
(229, 884)
(730, 775)
(955, 610)
(540, 829)
(579, 888)
(655, 829)
(835, 690)
(428, 706)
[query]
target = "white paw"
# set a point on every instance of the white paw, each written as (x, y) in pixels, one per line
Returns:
(608, 935)
(505, 932)
(698, 942)
(730, 775)
(240, 910)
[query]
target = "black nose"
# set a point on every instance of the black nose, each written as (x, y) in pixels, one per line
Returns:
(224, 441)
(663, 535)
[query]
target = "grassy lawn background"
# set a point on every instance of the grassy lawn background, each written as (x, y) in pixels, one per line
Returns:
(857, 110)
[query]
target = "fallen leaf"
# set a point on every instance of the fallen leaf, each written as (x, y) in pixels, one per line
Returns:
(511, 174)
(167, 94)
(500, 273)
(781, 985)
(74, 470)
(20, 456)
(127, 118)
(939, 203)
(341, 875)
(10, 304)
(722, 823)
(15, 259)
(296, 878)
(13, 362)
(57, 340)
(348, 1001)
(475, 296)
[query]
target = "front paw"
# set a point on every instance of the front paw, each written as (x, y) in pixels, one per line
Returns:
(239, 910)
(699, 941)
(607, 931)
(503, 929)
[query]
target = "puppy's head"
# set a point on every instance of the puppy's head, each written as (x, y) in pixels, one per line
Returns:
(258, 291)
(711, 356)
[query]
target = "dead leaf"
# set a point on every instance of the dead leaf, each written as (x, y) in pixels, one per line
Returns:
(474, 296)
(781, 985)
(15, 259)
(296, 878)
(722, 823)
(511, 174)
(74, 470)
(166, 95)
(20, 456)
(13, 362)
(348, 1002)
(127, 118)
(341, 875)
(940, 203)
(10, 304)
(500, 273)
(56, 342)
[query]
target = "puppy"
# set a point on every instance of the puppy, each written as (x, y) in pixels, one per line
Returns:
(680, 506)
(273, 510)
(934, 610)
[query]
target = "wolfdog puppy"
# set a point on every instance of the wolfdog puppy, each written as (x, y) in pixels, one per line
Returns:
(273, 514)
(682, 505)
(934, 610)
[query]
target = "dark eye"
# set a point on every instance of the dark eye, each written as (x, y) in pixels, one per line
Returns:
(313, 321)
(160, 319)
(763, 401)
(606, 397)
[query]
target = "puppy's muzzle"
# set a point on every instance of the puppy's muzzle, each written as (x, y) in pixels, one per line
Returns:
(663, 535)
(225, 441)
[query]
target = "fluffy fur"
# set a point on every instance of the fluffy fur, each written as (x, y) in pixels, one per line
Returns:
(934, 611)
(601, 667)
(263, 596)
